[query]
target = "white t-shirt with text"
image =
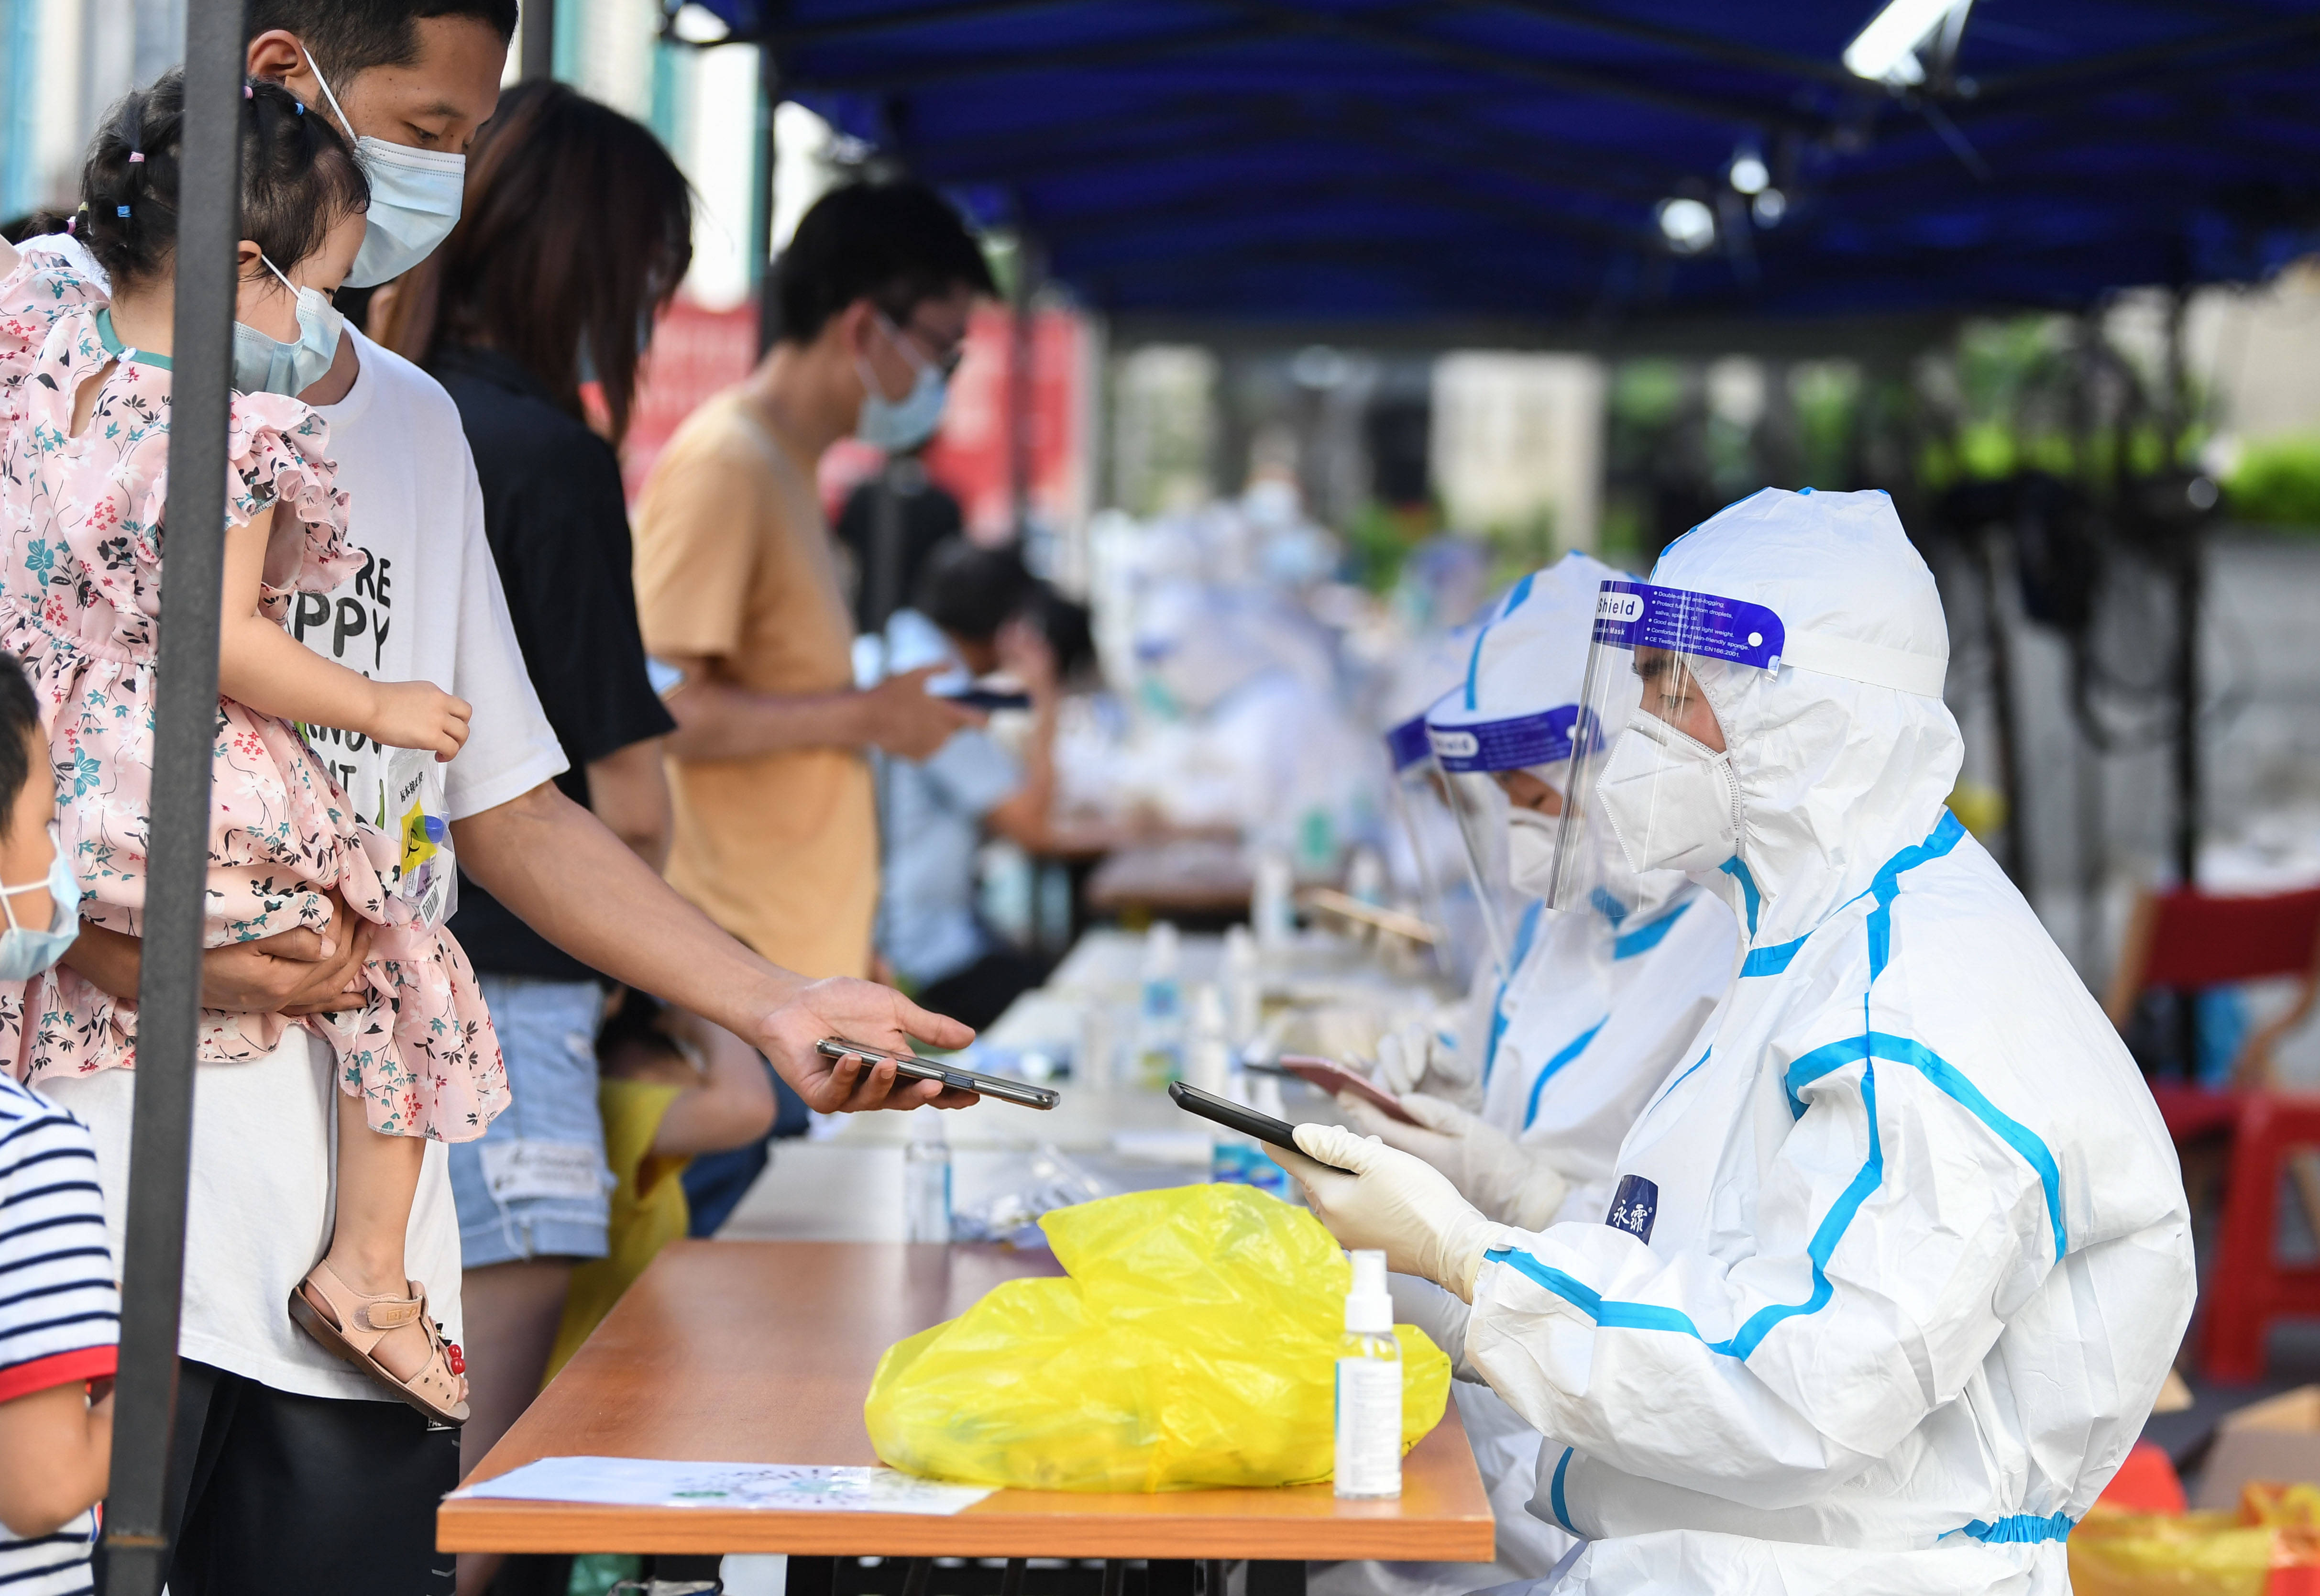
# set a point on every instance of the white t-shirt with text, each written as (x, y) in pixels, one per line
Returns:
(426, 605)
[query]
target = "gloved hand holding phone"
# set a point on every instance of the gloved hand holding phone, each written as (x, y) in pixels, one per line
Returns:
(1490, 1169)
(1371, 1195)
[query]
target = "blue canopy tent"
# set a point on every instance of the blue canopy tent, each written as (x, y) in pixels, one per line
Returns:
(1593, 171)
(1372, 162)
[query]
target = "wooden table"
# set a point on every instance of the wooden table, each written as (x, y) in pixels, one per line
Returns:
(762, 1352)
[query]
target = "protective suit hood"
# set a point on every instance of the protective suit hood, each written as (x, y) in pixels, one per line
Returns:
(1836, 775)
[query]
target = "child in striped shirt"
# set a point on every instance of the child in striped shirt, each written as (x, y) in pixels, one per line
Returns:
(60, 1308)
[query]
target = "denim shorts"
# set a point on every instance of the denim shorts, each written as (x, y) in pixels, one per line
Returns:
(535, 1185)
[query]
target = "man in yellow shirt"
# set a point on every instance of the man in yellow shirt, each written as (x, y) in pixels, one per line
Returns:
(775, 833)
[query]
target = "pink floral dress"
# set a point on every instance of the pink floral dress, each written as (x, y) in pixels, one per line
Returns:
(80, 572)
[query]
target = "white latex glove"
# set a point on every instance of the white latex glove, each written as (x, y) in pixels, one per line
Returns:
(1423, 1056)
(1491, 1170)
(1369, 1195)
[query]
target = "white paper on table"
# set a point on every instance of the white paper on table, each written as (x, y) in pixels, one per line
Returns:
(655, 1483)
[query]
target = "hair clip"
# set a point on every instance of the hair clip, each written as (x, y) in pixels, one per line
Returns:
(136, 156)
(302, 107)
(248, 93)
(121, 210)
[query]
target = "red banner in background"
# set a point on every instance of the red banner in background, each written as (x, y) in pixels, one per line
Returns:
(697, 352)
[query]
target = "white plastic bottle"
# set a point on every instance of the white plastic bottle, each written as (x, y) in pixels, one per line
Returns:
(1160, 1026)
(926, 1179)
(1369, 1387)
(1209, 1057)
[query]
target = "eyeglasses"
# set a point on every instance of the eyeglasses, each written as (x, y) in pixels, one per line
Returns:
(909, 340)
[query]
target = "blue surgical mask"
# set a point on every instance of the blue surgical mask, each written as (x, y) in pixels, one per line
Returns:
(898, 425)
(414, 199)
(25, 952)
(263, 364)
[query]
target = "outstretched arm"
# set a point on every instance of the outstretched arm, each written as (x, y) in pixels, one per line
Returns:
(558, 870)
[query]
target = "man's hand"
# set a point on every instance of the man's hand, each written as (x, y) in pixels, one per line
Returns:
(294, 972)
(1369, 1195)
(901, 717)
(858, 1012)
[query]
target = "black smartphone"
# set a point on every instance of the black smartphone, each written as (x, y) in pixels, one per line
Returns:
(1233, 1116)
(924, 1069)
(988, 699)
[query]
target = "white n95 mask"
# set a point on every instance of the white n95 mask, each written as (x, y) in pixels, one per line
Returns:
(1531, 840)
(1672, 801)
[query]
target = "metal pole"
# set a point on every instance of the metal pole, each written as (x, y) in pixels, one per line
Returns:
(539, 43)
(761, 221)
(1022, 351)
(168, 991)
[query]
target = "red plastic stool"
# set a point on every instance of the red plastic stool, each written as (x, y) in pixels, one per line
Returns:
(2146, 1483)
(2249, 1286)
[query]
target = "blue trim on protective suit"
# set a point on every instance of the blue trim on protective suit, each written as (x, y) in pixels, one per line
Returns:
(1475, 660)
(1526, 930)
(2021, 1528)
(1607, 906)
(1669, 1089)
(1739, 872)
(1611, 1315)
(1886, 886)
(1774, 960)
(1947, 1078)
(1571, 1050)
(1554, 1492)
(1644, 938)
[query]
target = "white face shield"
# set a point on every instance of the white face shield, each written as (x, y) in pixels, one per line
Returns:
(1659, 780)
(1472, 750)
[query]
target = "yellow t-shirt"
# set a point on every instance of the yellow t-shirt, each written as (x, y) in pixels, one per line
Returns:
(648, 1210)
(735, 565)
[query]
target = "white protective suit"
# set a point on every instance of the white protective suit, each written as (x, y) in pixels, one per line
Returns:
(1905, 1253)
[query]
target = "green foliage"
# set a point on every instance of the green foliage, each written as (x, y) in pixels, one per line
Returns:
(2278, 483)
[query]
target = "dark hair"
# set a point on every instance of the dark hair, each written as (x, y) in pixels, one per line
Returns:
(1067, 626)
(352, 36)
(895, 244)
(576, 227)
(298, 179)
(20, 721)
(970, 590)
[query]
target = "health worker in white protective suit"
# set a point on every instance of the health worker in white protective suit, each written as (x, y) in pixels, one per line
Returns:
(1894, 1271)
(1598, 1009)
(1597, 1000)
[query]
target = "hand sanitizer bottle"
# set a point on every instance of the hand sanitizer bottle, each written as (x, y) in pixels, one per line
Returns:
(1369, 1387)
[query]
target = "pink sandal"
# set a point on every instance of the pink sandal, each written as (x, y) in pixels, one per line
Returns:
(351, 1323)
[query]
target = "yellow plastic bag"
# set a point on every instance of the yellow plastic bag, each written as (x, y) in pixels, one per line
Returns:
(1194, 1344)
(2115, 1554)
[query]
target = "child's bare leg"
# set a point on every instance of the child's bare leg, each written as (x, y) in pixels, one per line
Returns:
(379, 1178)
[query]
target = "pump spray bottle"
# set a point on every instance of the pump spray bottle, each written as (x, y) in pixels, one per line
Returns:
(1369, 1387)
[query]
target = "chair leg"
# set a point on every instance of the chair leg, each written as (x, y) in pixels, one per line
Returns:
(2239, 1295)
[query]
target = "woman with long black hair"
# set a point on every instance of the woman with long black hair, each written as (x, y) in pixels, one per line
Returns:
(575, 230)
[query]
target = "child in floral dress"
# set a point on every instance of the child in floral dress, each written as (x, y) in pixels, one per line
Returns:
(85, 383)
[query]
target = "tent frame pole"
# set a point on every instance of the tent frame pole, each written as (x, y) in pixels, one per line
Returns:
(138, 1528)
